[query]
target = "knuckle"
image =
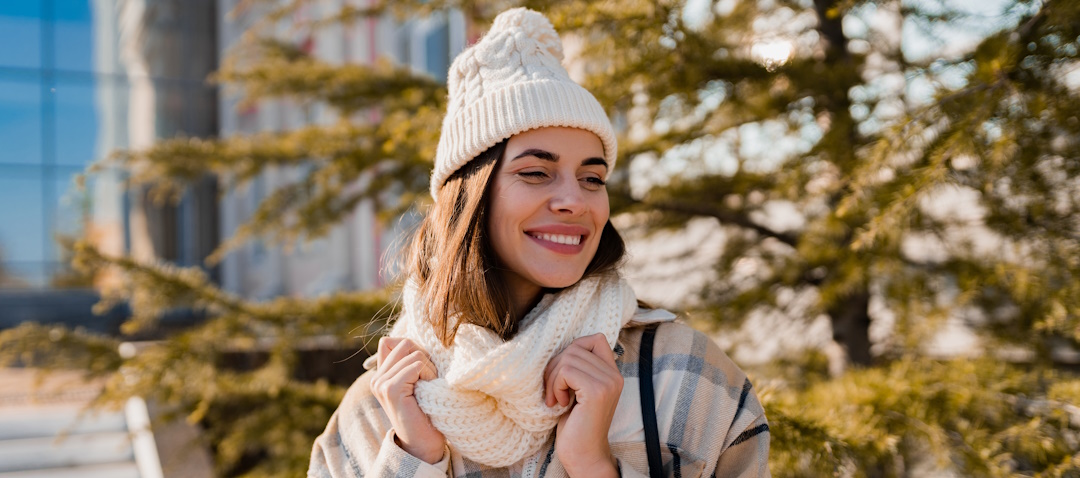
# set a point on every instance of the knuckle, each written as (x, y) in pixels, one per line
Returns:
(390, 388)
(570, 370)
(385, 343)
(554, 362)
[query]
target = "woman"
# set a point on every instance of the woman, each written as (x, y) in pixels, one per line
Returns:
(517, 351)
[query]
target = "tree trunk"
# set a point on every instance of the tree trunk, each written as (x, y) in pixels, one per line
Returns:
(832, 31)
(851, 329)
(850, 317)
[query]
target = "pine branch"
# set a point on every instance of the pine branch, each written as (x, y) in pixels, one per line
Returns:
(725, 216)
(54, 347)
(154, 289)
(273, 69)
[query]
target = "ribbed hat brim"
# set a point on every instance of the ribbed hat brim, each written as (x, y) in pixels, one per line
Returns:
(514, 109)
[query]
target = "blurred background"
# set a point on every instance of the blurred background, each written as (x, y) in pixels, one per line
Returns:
(873, 206)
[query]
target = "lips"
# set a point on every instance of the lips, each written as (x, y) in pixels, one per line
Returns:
(561, 238)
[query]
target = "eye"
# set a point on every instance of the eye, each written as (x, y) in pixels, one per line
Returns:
(533, 175)
(593, 183)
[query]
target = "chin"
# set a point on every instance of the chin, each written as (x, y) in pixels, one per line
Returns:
(560, 281)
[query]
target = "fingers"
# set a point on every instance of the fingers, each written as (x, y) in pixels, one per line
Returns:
(549, 386)
(394, 350)
(555, 386)
(428, 370)
(386, 344)
(415, 365)
(587, 363)
(572, 378)
(401, 364)
(598, 345)
(582, 378)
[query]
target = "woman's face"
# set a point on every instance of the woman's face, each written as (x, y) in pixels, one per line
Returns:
(548, 205)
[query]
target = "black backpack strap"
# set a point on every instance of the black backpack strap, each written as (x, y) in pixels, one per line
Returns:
(648, 403)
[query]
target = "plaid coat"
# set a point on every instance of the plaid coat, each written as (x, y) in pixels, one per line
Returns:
(711, 423)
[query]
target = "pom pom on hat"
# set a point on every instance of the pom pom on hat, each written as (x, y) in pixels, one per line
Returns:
(533, 25)
(509, 82)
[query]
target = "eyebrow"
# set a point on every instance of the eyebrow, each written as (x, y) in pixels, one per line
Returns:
(549, 156)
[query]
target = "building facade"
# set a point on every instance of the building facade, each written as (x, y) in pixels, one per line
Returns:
(90, 77)
(353, 254)
(78, 80)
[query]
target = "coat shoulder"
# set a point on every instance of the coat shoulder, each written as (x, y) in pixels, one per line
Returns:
(679, 347)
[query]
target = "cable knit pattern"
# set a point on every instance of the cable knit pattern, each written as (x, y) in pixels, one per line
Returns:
(512, 81)
(488, 399)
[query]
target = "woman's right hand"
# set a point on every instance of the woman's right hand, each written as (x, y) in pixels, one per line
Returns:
(402, 363)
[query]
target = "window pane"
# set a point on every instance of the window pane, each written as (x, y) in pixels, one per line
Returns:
(20, 24)
(22, 228)
(22, 275)
(437, 50)
(70, 218)
(72, 208)
(84, 110)
(20, 122)
(73, 33)
(62, 276)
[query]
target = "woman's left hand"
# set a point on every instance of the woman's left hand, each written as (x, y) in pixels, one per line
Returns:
(586, 377)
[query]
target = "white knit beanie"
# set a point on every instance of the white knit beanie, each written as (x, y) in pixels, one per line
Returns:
(509, 82)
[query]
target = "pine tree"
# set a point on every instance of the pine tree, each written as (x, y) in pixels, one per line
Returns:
(873, 159)
(943, 188)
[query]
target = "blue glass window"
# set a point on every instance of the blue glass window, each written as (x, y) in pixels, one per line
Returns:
(73, 32)
(20, 31)
(437, 50)
(22, 228)
(70, 206)
(66, 100)
(82, 108)
(20, 121)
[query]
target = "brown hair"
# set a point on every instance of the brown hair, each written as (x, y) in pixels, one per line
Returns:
(451, 258)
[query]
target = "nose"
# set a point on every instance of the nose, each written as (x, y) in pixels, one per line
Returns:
(568, 198)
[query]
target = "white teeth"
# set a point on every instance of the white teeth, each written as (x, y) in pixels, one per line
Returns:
(560, 238)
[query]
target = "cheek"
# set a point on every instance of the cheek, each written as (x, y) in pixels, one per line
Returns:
(601, 211)
(496, 228)
(502, 227)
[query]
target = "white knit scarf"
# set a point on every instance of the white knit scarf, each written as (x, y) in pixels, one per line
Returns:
(488, 398)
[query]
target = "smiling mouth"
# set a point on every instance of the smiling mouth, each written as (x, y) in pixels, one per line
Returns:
(558, 238)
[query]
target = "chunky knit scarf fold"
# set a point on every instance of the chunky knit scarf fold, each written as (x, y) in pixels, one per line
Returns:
(488, 399)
